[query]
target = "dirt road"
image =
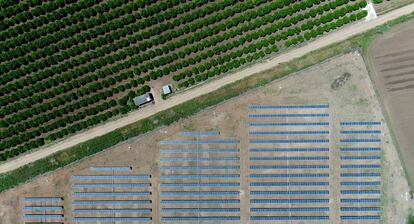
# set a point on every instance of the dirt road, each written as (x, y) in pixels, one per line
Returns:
(331, 38)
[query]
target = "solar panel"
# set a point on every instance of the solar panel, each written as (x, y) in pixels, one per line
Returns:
(289, 158)
(81, 211)
(111, 219)
(289, 192)
(290, 175)
(346, 123)
(360, 209)
(360, 157)
(111, 202)
(360, 183)
(200, 184)
(360, 131)
(114, 168)
(360, 192)
(42, 216)
(201, 218)
(360, 174)
(361, 149)
(260, 167)
(361, 166)
(289, 106)
(288, 124)
(302, 209)
(109, 194)
(198, 159)
(199, 176)
(360, 140)
(43, 199)
(288, 132)
(43, 208)
(200, 167)
(224, 201)
(289, 149)
(284, 201)
(362, 217)
(197, 210)
(192, 142)
(360, 200)
(199, 150)
(198, 133)
(270, 184)
(287, 115)
(133, 185)
(264, 141)
(104, 177)
(199, 193)
(263, 218)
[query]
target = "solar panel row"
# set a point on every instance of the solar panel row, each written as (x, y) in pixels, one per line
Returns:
(290, 201)
(314, 192)
(289, 149)
(197, 210)
(224, 201)
(114, 168)
(110, 185)
(290, 175)
(259, 167)
(199, 150)
(228, 184)
(347, 123)
(290, 158)
(198, 133)
(288, 115)
(289, 106)
(301, 209)
(192, 142)
(199, 176)
(105, 177)
(200, 167)
(288, 132)
(264, 218)
(199, 193)
(270, 184)
(266, 141)
(288, 124)
(109, 194)
(198, 159)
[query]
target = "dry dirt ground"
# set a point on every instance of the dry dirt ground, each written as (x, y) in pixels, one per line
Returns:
(354, 101)
(333, 37)
(392, 61)
(388, 5)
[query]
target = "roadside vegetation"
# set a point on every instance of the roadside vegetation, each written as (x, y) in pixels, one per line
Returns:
(68, 65)
(83, 150)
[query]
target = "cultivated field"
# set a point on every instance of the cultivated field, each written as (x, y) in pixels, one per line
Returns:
(392, 57)
(383, 6)
(69, 65)
(294, 192)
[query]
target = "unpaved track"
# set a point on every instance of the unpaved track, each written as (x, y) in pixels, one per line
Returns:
(324, 41)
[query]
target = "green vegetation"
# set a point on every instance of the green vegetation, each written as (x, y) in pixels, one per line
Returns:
(411, 218)
(68, 65)
(187, 109)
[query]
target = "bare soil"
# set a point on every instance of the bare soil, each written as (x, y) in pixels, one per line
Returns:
(354, 100)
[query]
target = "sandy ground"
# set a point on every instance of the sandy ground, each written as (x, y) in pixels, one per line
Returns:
(333, 37)
(355, 100)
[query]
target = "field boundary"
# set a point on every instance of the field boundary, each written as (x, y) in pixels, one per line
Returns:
(68, 156)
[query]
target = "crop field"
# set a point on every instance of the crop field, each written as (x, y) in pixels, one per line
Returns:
(392, 57)
(68, 65)
(311, 147)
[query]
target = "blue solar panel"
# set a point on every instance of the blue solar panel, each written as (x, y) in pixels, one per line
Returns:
(263, 218)
(111, 202)
(109, 194)
(259, 167)
(43, 208)
(263, 141)
(200, 184)
(361, 132)
(192, 142)
(42, 216)
(108, 168)
(254, 124)
(197, 210)
(201, 218)
(362, 217)
(199, 150)
(288, 106)
(289, 175)
(289, 149)
(105, 177)
(303, 209)
(198, 159)
(360, 174)
(81, 211)
(360, 192)
(360, 183)
(270, 184)
(360, 157)
(360, 149)
(200, 167)
(290, 158)
(288, 192)
(347, 123)
(111, 219)
(288, 132)
(360, 209)
(361, 166)
(288, 115)
(225, 201)
(110, 185)
(43, 199)
(360, 140)
(192, 176)
(284, 201)
(361, 200)
(199, 193)
(198, 133)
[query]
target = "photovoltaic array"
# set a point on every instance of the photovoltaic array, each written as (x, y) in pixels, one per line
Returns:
(47, 210)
